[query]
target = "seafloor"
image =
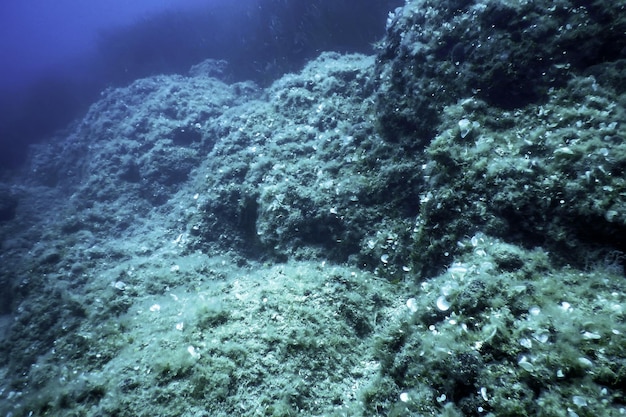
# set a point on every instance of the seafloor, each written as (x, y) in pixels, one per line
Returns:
(436, 230)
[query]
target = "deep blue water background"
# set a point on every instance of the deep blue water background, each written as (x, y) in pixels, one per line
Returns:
(57, 56)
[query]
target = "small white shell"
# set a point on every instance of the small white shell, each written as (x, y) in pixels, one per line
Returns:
(442, 303)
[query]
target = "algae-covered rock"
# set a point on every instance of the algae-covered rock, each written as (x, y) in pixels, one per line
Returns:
(289, 174)
(437, 230)
(507, 53)
(525, 342)
(512, 112)
(547, 175)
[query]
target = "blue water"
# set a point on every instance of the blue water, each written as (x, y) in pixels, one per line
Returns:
(41, 36)
(58, 56)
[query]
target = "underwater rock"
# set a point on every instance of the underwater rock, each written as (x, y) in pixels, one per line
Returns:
(508, 54)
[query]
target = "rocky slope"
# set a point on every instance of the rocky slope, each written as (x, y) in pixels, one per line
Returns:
(435, 230)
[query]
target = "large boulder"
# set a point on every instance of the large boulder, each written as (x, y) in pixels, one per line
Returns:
(507, 53)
